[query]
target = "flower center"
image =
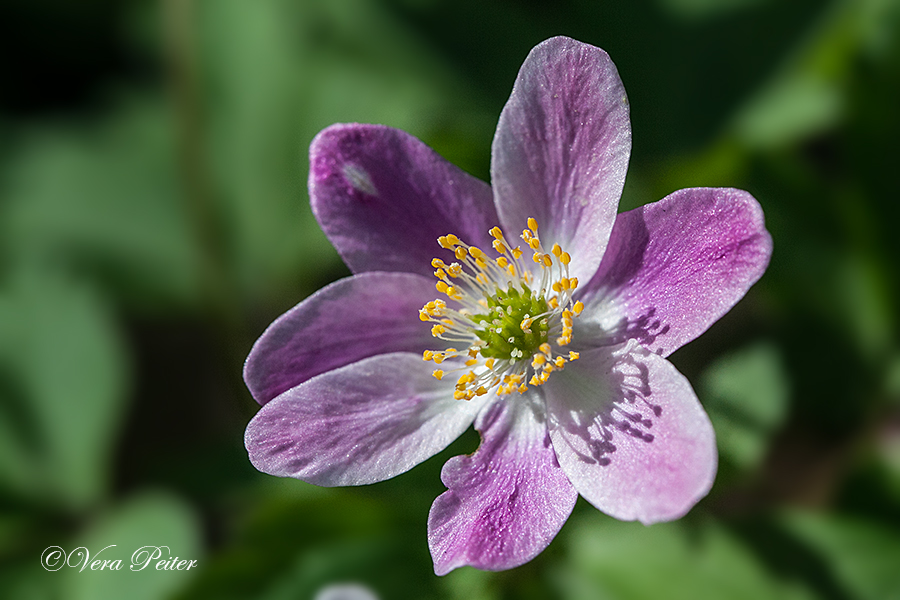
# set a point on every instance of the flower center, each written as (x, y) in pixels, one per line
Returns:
(508, 316)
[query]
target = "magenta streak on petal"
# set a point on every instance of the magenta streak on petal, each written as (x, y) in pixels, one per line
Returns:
(630, 434)
(672, 268)
(351, 319)
(383, 198)
(358, 424)
(507, 501)
(561, 149)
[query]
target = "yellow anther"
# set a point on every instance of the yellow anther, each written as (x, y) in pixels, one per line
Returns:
(579, 306)
(438, 358)
(473, 352)
(516, 252)
(440, 273)
(556, 287)
(438, 374)
(437, 263)
(489, 363)
(525, 324)
(471, 362)
(499, 247)
(511, 269)
(496, 233)
(427, 355)
(560, 362)
(534, 243)
(553, 303)
(539, 359)
(564, 258)
(479, 262)
(522, 388)
(442, 287)
(532, 225)
(454, 270)
(556, 250)
(547, 260)
(458, 395)
(545, 348)
(442, 242)
(460, 253)
(502, 262)
(423, 316)
(452, 239)
(536, 257)
(437, 330)
(481, 391)
(573, 283)
(574, 355)
(563, 340)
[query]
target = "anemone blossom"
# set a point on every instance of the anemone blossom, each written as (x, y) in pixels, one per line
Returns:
(548, 325)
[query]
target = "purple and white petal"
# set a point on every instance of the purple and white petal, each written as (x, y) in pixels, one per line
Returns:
(674, 267)
(358, 424)
(630, 434)
(383, 198)
(505, 502)
(561, 149)
(351, 319)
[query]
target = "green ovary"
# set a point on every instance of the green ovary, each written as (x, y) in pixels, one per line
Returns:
(506, 311)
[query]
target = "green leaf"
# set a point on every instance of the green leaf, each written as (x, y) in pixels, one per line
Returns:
(863, 555)
(746, 395)
(614, 560)
(147, 530)
(63, 379)
(104, 199)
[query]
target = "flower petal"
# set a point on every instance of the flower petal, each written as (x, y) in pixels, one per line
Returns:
(630, 434)
(507, 501)
(351, 319)
(383, 198)
(561, 149)
(672, 268)
(359, 424)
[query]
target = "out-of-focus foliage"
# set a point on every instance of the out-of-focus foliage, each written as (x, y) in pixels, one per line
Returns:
(154, 219)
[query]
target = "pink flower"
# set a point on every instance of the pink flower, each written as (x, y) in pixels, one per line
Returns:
(552, 342)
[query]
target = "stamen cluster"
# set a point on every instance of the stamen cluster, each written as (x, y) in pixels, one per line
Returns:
(507, 313)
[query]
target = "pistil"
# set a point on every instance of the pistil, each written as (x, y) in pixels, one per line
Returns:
(506, 314)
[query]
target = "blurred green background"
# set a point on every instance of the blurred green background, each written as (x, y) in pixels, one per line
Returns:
(154, 219)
